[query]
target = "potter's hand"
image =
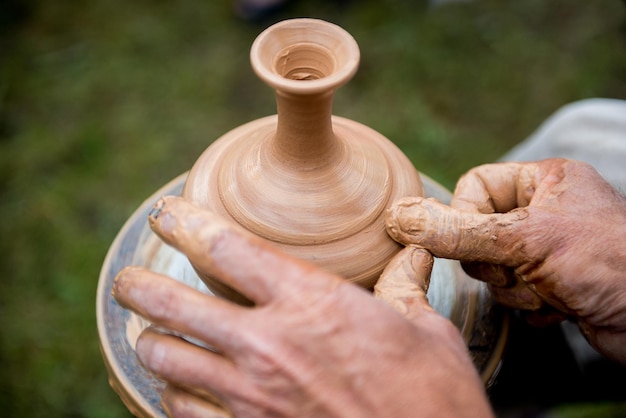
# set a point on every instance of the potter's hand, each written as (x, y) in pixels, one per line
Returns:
(313, 345)
(404, 282)
(547, 236)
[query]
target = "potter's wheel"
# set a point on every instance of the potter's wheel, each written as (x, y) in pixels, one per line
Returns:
(452, 293)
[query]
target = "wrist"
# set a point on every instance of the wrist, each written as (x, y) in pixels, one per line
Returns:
(609, 342)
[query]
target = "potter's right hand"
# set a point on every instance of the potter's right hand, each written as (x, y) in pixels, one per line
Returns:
(547, 236)
(313, 344)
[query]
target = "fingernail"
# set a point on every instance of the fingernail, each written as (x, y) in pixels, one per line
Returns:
(150, 353)
(157, 209)
(119, 283)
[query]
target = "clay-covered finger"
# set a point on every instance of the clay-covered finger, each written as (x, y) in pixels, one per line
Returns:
(178, 403)
(450, 233)
(518, 296)
(498, 187)
(494, 274)
(228, 253)
(404, 282)
(196, 369)
(173, 305)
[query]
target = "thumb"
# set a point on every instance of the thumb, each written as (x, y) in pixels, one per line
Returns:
(446, 232)
(404, 282)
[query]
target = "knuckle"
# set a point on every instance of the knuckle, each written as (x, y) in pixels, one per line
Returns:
(165, 306)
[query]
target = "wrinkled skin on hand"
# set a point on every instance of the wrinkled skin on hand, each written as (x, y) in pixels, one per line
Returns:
(313, 345)
(549, 238)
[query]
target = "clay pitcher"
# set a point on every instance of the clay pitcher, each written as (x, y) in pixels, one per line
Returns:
(316, 185)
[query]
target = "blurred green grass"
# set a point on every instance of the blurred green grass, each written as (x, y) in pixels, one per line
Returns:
(102, 102)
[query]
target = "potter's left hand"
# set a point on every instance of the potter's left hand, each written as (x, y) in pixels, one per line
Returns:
(548, 237)
(313, 345)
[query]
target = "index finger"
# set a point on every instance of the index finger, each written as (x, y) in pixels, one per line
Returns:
(451, 233)
(231, 255)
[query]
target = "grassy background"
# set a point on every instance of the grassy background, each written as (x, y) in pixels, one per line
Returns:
(104, 101)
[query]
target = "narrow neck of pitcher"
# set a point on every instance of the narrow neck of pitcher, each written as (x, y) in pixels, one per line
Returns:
(304, 131)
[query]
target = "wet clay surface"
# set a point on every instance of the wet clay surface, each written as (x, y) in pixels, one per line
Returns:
(316, 185)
